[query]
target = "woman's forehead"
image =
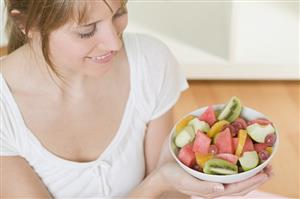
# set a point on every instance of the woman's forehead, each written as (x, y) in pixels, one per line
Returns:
(94, 10)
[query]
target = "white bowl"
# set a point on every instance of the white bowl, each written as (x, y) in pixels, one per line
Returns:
(248, 114)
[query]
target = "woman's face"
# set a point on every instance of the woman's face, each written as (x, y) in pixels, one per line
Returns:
(90, 49)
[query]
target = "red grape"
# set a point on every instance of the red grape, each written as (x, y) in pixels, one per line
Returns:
(237, 125)
(242, 121)
(213, 149)
(270, 139)
(260, 121)
(263, 155)
(234, 133)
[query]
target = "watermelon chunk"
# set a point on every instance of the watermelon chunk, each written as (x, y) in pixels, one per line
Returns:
(224, 141)
(247, 147)
(201, 143)
(208, 116)
(260, 147)
(229, 157)
(235, 142)
(187, 156)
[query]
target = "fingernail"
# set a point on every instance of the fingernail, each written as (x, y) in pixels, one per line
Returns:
(218, 188)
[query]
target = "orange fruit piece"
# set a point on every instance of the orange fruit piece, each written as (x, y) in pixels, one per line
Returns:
(202, 159)
(183, 123)
(216, 128)
(269, 149)
(242, 136)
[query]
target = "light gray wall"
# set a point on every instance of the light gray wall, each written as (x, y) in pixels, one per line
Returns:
(192, 22)
(247, 39)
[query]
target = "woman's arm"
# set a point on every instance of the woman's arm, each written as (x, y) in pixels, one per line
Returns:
(18, 180)
(157, 131)
(151, 187)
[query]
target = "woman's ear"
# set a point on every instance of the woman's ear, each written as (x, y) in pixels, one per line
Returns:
(20, 19)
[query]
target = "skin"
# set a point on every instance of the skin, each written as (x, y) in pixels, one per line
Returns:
(85, 104)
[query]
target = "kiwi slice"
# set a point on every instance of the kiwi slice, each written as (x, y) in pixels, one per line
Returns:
(232, 110)
(220, 167)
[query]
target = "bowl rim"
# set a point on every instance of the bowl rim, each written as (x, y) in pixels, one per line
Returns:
(220, 177)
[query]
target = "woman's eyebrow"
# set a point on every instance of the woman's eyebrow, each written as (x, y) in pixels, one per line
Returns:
(92, 23)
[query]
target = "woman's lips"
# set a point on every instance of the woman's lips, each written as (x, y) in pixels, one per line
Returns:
(103, 59)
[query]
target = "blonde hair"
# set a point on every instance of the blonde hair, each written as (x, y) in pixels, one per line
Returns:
(44, 16)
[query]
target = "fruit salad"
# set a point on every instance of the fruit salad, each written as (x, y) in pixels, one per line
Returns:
(222, 142)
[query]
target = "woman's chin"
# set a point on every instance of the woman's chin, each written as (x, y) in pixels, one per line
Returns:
(96, 71)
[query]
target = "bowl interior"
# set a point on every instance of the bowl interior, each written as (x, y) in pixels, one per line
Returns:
(248, 114)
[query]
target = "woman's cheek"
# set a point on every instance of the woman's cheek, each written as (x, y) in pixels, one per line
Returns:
(68, 47)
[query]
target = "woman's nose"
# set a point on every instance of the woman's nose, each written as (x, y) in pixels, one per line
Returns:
(111, 39)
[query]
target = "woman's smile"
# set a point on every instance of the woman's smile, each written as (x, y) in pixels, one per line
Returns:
(103, 59)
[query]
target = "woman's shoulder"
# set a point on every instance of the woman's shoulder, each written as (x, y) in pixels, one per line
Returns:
(8, 71)
(8, 65)
(9, 77)
(12, 70)
(4, 64)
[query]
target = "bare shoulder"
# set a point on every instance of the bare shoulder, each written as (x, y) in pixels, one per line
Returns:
(8, 64)
(12, 68)
(4, 64)
(8, 61)
(28, 183)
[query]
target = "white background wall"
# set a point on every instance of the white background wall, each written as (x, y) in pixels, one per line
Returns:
(265, 33)
(192, 22)
(225, 39)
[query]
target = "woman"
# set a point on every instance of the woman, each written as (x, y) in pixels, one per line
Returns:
(85, 109)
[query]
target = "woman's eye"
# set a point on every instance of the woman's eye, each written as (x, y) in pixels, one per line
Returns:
(88, 35)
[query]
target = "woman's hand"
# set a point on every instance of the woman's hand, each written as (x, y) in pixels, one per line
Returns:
(176, 179)
(246, 186)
